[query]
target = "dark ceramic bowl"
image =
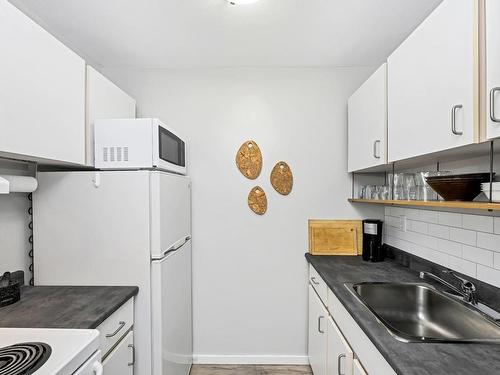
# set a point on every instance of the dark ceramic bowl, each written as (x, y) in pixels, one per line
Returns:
(459, 187)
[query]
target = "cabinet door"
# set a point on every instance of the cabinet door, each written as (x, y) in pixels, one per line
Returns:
(317, 333)
(358, 369)
(42, 92)
(492, 13)
(367, 112)
(340, 355)
(431, 81)
(121, 360)
(104, 100)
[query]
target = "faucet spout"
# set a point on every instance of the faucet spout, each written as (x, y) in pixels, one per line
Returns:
(467, 289)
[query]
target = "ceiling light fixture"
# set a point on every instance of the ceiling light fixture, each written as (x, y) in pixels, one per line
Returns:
(241, 2)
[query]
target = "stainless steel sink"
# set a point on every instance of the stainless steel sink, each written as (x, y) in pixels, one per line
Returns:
(421, 313)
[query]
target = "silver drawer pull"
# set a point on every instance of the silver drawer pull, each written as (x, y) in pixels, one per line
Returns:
(375, 154)
(319, 324)
(121, 325)
(131, 346)
(339, 358)
(454, 119)
(493, 117)
(313, 279)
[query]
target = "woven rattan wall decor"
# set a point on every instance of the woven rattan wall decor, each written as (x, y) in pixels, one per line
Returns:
(257, 200)
(282, 178)
(249, 160)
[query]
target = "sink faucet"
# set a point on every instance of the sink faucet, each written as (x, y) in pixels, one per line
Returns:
(467, 289)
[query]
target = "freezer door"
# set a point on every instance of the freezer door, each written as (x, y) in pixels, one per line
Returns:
(170, 212)
(172, 313)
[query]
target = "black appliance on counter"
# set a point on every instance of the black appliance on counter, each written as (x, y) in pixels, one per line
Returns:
(373, 251)
(10, 288)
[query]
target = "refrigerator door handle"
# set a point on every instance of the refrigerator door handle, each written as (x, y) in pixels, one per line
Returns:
(176, 246)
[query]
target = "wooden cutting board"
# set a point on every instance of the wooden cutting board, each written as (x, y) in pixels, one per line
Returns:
(335, 237)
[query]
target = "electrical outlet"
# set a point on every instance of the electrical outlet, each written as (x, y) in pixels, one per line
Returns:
(403, 223)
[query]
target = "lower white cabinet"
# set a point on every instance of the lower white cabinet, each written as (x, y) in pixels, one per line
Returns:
(337, 344)
(317, 333)
(121, 359)
(117, 341)
(358, 369)
(339, 359)
(114, 328)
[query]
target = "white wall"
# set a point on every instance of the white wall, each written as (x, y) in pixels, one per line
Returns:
(14, 219)
(250, 291)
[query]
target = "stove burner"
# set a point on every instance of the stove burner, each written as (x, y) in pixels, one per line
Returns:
(23, 359)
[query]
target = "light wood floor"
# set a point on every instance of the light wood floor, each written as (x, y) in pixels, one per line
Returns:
(250, 370)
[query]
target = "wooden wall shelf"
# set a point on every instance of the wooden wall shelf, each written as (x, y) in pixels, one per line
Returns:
(433, 204)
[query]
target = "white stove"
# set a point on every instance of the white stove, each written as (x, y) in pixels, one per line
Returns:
(35, 351)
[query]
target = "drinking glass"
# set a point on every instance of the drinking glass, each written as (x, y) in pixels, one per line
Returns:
(399, 191)
(410, 186)
(384, 192)
(362, 194)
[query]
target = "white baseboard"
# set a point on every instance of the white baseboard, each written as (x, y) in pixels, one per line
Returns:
(250, 359)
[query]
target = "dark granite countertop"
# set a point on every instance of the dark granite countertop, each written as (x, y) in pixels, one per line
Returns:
(82, 307)
(405, 358)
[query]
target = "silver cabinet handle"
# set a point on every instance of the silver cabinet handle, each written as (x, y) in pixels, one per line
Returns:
(133, 354)
(319, 324)
(492, 104)
(313, 279)
(339, 359)
(375, 155)
(120, 327)
(454, 119)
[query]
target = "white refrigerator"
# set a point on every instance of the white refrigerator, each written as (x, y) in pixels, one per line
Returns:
(123, 228)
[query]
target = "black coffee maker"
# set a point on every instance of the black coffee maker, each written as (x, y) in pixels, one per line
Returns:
(373, 250)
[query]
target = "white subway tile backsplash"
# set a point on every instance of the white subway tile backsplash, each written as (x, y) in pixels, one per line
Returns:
(465, 236)
(433, 255)
(418, 226)
(395, 211)
(440, 231)
(488, 275)
(469, 244)
(449, 247)
(429, 216)
(392, 221)
(496, 260)
(449, 218)
(462, 266)
(478, 223)
(412, 214)
(497, 225)
(421, 239)
(488, 241)
(481, 256)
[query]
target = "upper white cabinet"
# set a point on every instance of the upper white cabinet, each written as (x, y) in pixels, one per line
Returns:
(104, 100)
(492, 34)
(367, 123)
(432, 84)
(42, 91)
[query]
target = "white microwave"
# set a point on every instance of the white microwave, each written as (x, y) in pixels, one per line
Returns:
(143, 143)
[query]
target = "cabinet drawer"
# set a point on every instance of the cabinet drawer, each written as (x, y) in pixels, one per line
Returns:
(121, 360)
(318, 284)
(116, 326)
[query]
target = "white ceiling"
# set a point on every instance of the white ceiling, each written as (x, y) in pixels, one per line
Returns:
(209, 33)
